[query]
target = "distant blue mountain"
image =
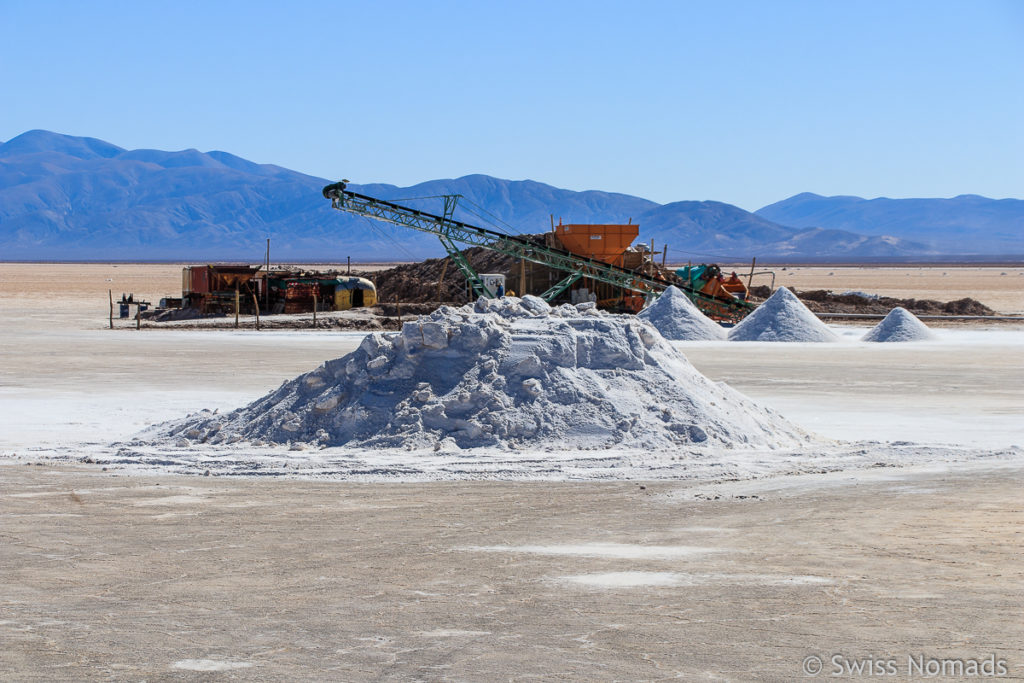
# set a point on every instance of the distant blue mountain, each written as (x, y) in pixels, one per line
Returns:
(73, 198)
(967, 224)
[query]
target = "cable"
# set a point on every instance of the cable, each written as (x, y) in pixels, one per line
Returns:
(391, 239)
(496, 219)
(416, 199)
(484, 219)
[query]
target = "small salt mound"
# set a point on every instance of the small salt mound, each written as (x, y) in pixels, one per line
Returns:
(782, 318)
(676, 317)
(503, 373)
(899, 326)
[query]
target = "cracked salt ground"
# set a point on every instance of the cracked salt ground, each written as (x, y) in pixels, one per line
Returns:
(506, 374)
(637, 579)
(627, 579)
(607, 550)
(209, 665)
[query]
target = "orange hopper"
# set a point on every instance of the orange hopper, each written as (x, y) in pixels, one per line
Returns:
(601, 242)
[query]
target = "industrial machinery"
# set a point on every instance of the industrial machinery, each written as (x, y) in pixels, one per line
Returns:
(709, 281)
(450, 232)
(220, 289)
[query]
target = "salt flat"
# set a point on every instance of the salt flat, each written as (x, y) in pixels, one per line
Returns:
(146, 577)
(131, 574)
(65, 386)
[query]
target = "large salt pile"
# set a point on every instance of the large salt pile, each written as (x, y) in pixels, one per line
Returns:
(504, 373)
(782, 318)
(899, 326)
(676, 317)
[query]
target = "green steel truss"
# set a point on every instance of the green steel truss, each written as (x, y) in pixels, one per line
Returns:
(451, 231)
(458, 258)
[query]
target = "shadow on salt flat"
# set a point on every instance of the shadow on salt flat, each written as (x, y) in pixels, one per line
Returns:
(613, 550)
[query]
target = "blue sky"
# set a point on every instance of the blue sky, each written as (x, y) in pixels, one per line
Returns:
(742, 102)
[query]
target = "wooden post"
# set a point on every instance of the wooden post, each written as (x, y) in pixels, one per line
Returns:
(236, 305)
(750, 278)
(138, 317)
(110, 293)
(440, 280)
(349, 272)
(664, 255)
(266, 279)
(652, 256)
(398, 310)
(522, 277)
(256, 304)
(316, 290)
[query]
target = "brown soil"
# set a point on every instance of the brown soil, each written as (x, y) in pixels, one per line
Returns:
(825, 301)
(418, 282)
(411, 290)
(998, 287)
(79, 292)
(440, 281)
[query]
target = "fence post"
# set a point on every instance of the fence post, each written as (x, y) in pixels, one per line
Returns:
(256, 305)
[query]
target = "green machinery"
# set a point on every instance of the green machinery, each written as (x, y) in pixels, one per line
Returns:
(452, 232)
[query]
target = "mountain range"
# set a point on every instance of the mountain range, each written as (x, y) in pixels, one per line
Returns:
(967, 223)
(74, 198)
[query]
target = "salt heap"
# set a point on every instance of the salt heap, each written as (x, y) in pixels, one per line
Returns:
(503, 373)
(783, 318)
(675, 316)
(899, 326)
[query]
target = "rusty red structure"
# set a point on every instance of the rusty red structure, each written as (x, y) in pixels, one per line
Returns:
(215, 289)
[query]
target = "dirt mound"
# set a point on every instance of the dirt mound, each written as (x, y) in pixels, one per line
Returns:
(418, 282)
(965, 306)
(825, 301)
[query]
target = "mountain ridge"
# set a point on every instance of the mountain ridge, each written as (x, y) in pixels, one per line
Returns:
(967, 222)
(74, 198)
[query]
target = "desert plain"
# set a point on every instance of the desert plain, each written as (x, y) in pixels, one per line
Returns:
(113, 572)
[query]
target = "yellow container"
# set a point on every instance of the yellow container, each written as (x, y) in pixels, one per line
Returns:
(354, 293)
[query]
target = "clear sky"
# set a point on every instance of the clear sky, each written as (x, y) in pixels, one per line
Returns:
(742, 102)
